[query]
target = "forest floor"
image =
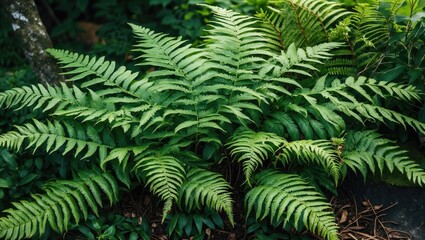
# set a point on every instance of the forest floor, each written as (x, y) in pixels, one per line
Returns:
(374, 210)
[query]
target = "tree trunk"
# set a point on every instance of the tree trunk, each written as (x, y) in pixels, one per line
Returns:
(33, 38)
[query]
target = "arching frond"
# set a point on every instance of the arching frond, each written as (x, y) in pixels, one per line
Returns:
(348, 96)
(54, 135)
(171, 126)
(305, 22)
(287, 198)
(381, 114)
(272, 27)
(120, 80)
(297, 60)
(371, 24)
(368, 150)
(234, 37)
(63, 202)
(317, 122)
(180, 66)
(253, 148)
(40, 96)
(203, 188)
(367, 88)
(320, 152)
(236, 51)
(164, 175)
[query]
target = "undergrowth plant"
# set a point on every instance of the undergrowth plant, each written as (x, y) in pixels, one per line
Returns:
(382, 39)
(240, 97)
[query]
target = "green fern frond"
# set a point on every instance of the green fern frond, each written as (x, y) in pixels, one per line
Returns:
(180, 66)
(272, 28)
(236, 48)
(307, 22)
(38, 96)
(62, 202)
(100, 112)
(371, 24)
(371, 33)
(234, 37)
(362, 86)
(67, 101)
(381, 114)
(318, 123)
(253, 148)
(55, 135)
(203, 188)
(164, 175)
(121, 80)
(343, 97)
(297, 60)
(204, 121)
(287, 198)
(340, 64)
(320, 152)
(344, 70)
(368, 150)
(123, 154)
(319, 178)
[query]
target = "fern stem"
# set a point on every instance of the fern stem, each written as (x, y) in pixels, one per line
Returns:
(295, 7)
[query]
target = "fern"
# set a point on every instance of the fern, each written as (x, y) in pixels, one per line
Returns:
(164, 175)
(381, 114)
(287, 198)
(368, 150)
(344, 97)
(104, 71)
(62, 202)
(38, 96)
(179, 64)
(293, 60)
(304, 22)
(205, 188)
(320, 152)
(76, 138)
(372, 31)
(256, 91)
(317, 123)
(253, 149)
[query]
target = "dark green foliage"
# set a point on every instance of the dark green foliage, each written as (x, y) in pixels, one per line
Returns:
(107, 20)
(314, 20)
(288, 198)
(11, 54)
(164, 175)
(320, 152)
(252, 149)
(193, 224)
(62, 202)
(114, 226)
(368, 151)
(240, 96)
(10, 78)
(21, 174)
(383, 39)
(206, 189)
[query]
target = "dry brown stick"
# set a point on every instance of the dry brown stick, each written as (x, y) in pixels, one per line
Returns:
(355, 207)
(365, 235)
(353, 222)
(391, 206)
(401, 232)
(377, 218)
(352, 236)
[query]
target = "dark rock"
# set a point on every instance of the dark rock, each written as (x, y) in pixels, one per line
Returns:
(409, 213)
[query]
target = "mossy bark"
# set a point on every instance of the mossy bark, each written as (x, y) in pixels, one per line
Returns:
(31, 34)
